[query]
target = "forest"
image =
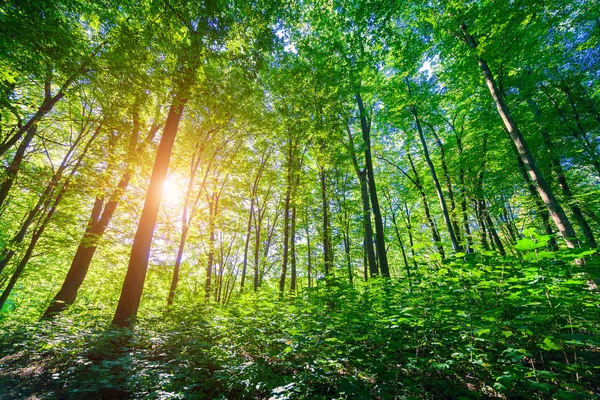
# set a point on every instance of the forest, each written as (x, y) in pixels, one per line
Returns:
(307, 199)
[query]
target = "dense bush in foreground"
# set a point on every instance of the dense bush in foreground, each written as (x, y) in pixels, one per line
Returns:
(476, 327)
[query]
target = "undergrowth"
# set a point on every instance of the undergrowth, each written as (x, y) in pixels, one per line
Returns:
(478, 326)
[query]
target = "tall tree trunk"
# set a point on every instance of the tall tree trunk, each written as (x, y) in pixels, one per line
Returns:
(101, 215)
(434, 231)
(480, 207)
(588, 144)
(175, 279)
(133, 285)
(253, 194)
(545, 192)
(37, 234)
(247, 244)
(401, 244)
(365, 261)
(327, 250)
(293, 249)
(492, 230)
(44, 220)
(560, 177)
(257, 230)
(286, 217)
(463, 193)
(185, 222)
(448, 181)
(366, 208)
(579, 134)
(43, 201)
(346, 239)
(365, 124)
(482, 224)
(438, 188)
(408, 223)
(212, 215)
(540, 207)
(308, 250)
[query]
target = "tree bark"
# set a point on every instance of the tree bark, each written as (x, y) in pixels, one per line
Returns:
(544, 191)
(43, 201)
(449, 189)
(438, 188)
(361, 174)
(561, 179)
(346, 239)
(45, 219)
(212, 213)
(308, 250)
(133, 285)
(432, 226)
(101, 215)
(253, 194)
(286, 218)
(293, 250)
(402, 249)
(463, 193)
(379, 229)
(327, 250)
(539, 205)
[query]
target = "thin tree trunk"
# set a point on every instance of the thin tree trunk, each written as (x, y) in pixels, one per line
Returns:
(100, 217)
(175, 280)
(379, 230)
(308, 251)
(133, 285)
(579, 134)
(37, 234)
(286, 219)
(26, 257)
(247, 244)
(545, 192)
(480, 209)
(185, 224)
(212, 212)
(46, 106)
(366, 208)
(253, 194)
(434, 232)
(257, 229)
(293, 250)
(438, 188)
(448, 182)
(408, 224)
(539, 205)
(365, 261)
(402, 249)
(346, 239)
(463, 193)
(493, 232)
(560, 177)
(482, 225)
(327, 251)
(9, 251)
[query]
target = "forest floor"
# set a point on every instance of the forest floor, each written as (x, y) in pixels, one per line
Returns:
(476, 327)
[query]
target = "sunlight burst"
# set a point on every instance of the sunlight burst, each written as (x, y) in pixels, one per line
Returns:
(173, 192)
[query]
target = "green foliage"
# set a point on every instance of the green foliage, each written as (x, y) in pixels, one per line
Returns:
(479, 326)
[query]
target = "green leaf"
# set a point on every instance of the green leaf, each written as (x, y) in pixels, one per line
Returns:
(549, 344)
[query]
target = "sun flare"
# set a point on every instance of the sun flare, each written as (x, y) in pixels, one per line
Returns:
(173, 192)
